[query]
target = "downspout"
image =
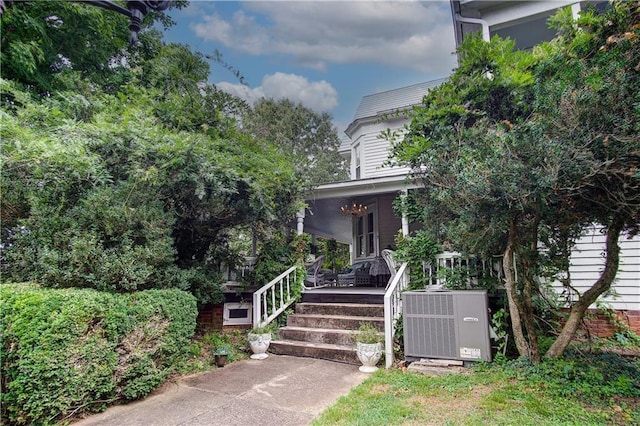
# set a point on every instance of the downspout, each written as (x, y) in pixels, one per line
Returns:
(485, 26)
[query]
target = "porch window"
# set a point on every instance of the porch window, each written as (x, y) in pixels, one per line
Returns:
(370, 237)
(360, 246)
(365, 235)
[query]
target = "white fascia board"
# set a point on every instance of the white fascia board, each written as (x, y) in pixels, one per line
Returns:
(360, 187)
(500, 15)
(379, 117)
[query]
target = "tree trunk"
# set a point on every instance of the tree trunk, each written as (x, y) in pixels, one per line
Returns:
(590, 296)
(528, 313)
(510, 286)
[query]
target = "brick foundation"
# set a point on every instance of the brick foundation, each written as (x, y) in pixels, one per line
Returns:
(599, 325)
(210, 318)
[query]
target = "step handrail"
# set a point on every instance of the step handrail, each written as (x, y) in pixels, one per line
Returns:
(281, 292)
(393, 309)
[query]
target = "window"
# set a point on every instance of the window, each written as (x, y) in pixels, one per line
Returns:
(356, 155)
(365, 235)
(360, 248)
(370, 235)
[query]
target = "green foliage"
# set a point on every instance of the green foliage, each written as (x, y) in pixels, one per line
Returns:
(69, 351)
(276, 255)
(120, 202)
(417, 249)
(500, 326)
(307, 137)
(510, 156)
(301, 247)
(336, 254)
(367, 333)
(489, 394)
(61, 45)
(593, 378)
(624, 335)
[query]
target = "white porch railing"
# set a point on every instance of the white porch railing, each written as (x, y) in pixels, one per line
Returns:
(393, 309)
(280, 292)
(474, 268)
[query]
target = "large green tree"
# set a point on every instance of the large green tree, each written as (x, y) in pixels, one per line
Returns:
(513, 160)
(120, 202)
(308, 137)
(49, 45)
(127, 177)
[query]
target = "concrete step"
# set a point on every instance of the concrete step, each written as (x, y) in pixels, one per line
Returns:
(348, 309)
(340, 322)
(321, 297)
(339, 353)
(317, 335)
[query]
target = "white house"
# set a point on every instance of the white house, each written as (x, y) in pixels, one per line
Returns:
(375, 185)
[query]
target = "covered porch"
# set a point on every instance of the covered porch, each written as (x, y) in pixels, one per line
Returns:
(358, 213)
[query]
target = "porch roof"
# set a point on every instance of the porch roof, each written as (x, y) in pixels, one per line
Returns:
(323, 216)
(361, 187)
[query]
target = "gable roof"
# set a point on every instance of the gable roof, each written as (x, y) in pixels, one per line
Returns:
(392, 100)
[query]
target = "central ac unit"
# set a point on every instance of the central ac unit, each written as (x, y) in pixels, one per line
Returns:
(446, 324)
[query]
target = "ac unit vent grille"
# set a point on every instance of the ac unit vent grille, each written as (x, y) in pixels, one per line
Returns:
(437, 304)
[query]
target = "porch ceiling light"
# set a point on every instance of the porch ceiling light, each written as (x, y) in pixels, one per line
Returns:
(354, 209)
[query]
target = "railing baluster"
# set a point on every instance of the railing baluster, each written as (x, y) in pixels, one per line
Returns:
(262, 315)
(392, 309)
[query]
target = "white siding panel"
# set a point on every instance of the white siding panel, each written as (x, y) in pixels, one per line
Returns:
(376, 150)
(587, 262)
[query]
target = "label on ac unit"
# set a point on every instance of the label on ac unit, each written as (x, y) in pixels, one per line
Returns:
(473, 353)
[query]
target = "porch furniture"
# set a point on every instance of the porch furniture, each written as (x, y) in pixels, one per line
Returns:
(356, 274)
(379, 271)
(387, 255)
(362, 278)
(317, 276)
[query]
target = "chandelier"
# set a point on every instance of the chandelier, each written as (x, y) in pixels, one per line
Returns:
(353, 210)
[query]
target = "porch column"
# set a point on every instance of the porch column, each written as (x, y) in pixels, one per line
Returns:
(300, 222)
(405, 219)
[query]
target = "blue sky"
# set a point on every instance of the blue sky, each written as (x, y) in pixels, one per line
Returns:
(324, 54)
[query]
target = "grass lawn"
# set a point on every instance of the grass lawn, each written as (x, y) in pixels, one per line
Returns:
(589, 391)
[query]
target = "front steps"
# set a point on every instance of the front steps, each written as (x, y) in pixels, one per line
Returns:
(325, 330)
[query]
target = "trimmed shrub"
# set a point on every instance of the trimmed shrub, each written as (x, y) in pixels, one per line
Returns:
(69, 351)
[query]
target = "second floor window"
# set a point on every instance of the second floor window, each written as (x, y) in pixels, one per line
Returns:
(357, 161)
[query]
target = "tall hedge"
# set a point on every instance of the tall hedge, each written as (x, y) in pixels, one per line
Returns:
(76, 350)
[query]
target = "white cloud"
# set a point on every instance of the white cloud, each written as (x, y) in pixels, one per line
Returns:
(319, 96)
(414, 35)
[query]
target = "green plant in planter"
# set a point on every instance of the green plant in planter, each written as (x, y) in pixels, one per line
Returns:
(261, 330)
(220, 355)
(368, 346)
(259, 339)
(222, 350)
(367, 333)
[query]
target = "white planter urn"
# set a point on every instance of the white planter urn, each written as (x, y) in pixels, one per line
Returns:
(369, 354)
(259, 343)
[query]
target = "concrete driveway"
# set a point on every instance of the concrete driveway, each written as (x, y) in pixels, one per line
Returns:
(280, 390)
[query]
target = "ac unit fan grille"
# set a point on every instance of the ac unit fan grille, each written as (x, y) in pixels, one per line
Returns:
(437, 334)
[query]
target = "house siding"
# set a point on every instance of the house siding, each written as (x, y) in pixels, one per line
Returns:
(587, 262)
(375, 150)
